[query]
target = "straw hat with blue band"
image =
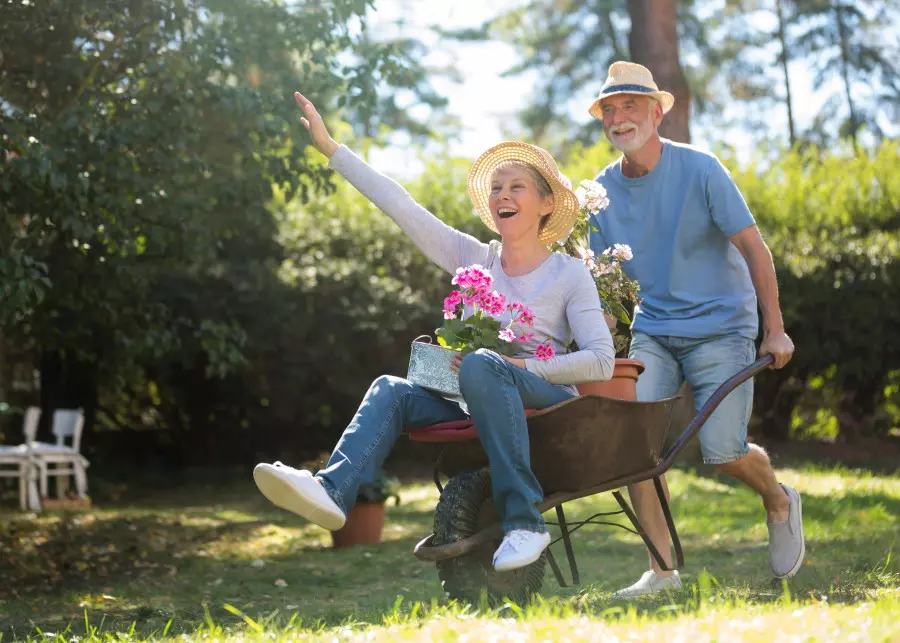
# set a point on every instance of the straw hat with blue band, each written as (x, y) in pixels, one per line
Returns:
(630, 78)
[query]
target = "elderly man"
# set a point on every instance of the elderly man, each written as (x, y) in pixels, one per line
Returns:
(702, 266)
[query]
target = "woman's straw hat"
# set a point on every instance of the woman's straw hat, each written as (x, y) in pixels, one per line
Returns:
(565, 213)
(630, 78)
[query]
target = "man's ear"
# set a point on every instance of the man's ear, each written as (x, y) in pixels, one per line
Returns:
(657, 113)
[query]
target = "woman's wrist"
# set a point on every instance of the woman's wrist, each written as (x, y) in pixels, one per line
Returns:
(330, 147)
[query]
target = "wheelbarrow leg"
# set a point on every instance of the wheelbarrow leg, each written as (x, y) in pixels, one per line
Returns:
(676, 542)
(567, 541)
(556, 571)
(436, 474)
(640, 530)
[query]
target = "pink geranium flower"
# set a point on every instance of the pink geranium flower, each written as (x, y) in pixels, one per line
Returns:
(544, 351)
(506, 335)
(522, 314)
(525, 337)
(473, 277)
(493, 303)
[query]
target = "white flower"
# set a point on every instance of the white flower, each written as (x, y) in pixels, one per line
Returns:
(622, 251)
(581, 195)
(592, 195)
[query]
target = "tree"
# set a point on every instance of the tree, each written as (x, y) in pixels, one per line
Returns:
(851, 43)
(653, 42)
(573, 43)
(141, 143)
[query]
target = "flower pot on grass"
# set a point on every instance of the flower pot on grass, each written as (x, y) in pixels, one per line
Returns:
(365, 521)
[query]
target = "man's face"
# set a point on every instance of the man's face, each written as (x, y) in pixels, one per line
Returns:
(629, 120)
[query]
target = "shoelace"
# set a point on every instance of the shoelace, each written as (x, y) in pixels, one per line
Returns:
(515, 539)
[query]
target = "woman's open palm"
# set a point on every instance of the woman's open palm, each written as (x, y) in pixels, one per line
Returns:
(313, 122)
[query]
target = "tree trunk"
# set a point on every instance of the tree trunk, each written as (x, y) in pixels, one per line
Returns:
(783, 59)
(653, 42)
(845, 72)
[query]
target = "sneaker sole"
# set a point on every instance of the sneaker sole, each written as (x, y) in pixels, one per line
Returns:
(799, 562)
(284, 494)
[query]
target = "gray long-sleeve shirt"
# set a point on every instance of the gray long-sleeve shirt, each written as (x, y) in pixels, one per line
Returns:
(560, 292)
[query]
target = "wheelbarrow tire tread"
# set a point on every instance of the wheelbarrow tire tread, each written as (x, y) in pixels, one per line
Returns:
(467, 577)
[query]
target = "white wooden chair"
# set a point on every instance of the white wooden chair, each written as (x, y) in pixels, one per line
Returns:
(19, 462)
(67, 423)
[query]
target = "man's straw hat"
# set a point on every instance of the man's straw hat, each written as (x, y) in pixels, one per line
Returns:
(630, 78)
(565, 213)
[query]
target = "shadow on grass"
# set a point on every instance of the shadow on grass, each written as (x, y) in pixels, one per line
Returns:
(166, 558)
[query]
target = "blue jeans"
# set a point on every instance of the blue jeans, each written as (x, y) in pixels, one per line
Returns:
(705, 364)
(497, 394)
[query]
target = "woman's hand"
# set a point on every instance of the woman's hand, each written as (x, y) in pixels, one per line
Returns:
(314, 124)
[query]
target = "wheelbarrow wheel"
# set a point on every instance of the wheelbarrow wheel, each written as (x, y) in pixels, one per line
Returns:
(466, 507)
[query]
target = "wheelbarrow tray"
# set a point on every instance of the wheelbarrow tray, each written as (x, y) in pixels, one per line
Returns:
(581, 443)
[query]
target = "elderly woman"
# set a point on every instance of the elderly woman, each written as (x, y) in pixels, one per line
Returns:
(519, 193)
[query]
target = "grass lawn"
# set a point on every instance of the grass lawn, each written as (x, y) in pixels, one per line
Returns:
(215, 560)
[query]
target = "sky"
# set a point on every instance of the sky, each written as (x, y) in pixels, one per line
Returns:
(485, 102)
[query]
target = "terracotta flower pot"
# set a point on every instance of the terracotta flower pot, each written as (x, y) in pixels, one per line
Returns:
(623, 384)
(363, 526)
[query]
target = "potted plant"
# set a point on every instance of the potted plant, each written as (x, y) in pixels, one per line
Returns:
(366, 520)
(470, 323)
(618, 292)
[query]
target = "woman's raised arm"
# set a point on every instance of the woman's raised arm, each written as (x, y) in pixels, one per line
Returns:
(447, 247)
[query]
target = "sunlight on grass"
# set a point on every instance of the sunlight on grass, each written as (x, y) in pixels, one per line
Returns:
(162, 563)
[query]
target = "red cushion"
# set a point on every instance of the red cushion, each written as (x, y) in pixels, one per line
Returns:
(456, 431)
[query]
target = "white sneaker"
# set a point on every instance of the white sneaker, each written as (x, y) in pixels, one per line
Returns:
(299, 492)
(520, 548)
(650, 583)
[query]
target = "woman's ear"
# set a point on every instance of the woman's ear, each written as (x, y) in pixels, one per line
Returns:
(548, 205)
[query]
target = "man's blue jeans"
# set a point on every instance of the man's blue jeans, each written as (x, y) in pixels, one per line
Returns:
(497, 394)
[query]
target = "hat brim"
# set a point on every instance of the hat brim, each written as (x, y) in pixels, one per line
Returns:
(664, 98)
(566, 209)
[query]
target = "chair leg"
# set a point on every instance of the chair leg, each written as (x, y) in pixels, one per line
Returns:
(24, 475)
(62, 482)
(34, 499)
(80, 480)
(42, 468)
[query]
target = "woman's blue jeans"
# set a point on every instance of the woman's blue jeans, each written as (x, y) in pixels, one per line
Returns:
(496, 393)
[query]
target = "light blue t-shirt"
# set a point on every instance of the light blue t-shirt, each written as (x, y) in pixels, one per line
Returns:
(677, 220)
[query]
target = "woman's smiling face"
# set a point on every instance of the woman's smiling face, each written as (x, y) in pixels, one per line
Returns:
(516, 202)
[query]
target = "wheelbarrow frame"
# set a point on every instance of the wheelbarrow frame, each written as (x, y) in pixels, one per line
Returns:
(425, 550)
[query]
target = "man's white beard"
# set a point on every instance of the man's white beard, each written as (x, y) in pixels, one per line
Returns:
(641, 136)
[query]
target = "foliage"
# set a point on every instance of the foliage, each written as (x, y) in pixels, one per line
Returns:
(833, 224)
(140, 148)
(381, 489)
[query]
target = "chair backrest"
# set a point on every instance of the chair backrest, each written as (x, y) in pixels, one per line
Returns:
(68, 423)
(30, 423)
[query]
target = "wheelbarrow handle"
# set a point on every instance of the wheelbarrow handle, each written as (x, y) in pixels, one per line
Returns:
(715, 399)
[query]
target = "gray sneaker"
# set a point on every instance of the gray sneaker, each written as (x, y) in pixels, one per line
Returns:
(786, 544)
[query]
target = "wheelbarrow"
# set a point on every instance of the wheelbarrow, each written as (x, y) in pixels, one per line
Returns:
(581, 447)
